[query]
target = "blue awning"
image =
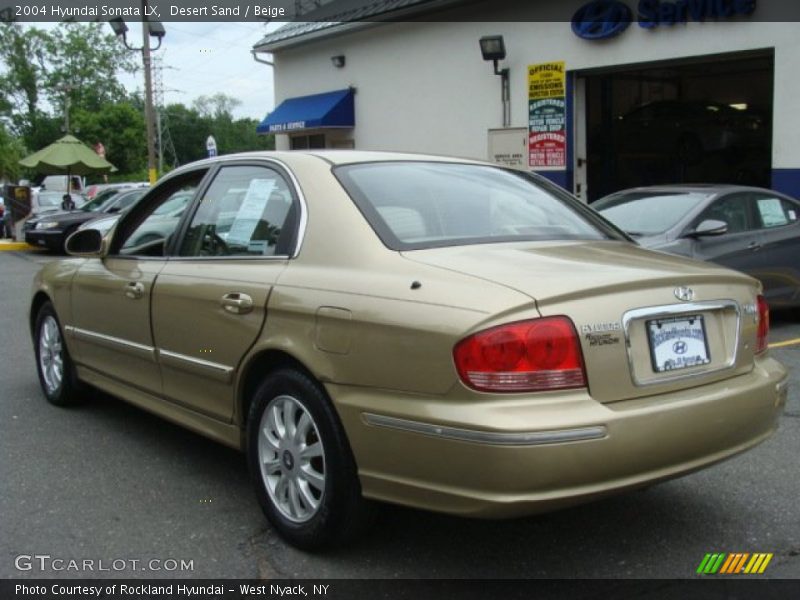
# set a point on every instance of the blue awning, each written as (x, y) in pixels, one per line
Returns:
(331, 109)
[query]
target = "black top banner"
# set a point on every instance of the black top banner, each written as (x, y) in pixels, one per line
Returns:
(391, 10)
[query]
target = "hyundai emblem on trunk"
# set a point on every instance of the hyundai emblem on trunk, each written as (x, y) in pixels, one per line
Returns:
(684, 293)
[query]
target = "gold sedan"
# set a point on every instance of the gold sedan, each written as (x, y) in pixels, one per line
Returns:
(438, 333)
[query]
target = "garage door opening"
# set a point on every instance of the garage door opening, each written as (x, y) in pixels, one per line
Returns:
(706, 121)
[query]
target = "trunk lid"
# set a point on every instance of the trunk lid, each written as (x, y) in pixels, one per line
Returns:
(624, 302)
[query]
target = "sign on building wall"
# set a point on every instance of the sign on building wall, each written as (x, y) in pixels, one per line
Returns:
(547, 125)
(507, 147)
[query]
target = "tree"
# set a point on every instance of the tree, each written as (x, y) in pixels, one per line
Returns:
(24, 54)
(43, 69)
(120, 128)
(11, 151)
(218, 106)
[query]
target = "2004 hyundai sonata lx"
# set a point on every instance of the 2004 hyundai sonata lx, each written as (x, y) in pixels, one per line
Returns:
(433, 332)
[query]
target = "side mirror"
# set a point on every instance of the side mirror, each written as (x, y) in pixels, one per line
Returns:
(88, 243)
(112, 210)
(709, 227)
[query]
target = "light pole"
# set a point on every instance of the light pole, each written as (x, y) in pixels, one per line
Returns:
(149, 29)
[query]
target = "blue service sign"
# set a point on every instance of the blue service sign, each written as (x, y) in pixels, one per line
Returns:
(601, 19)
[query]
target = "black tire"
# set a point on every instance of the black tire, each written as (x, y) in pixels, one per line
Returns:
(63, 390)
(341, 513)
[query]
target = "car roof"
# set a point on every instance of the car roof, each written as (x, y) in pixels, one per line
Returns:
(715, 189)
(333, 157)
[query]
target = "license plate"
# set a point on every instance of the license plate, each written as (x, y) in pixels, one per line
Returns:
(677, 343)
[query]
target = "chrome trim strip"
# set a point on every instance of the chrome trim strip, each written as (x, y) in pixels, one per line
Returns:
(195, 365)
(495, 438)
(114, 343)
(672, 310)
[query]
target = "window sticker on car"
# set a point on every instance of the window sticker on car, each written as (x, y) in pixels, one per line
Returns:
(792, 215)
(250, 212)
(772, 214)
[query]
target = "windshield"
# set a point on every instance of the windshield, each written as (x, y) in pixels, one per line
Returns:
(47, 199)
(413, 205)
(174, 205)
(97, 203)
(648, 213)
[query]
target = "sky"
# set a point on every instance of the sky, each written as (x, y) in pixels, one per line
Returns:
(202, 59)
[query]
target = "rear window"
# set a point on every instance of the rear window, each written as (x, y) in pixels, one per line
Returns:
(414, 205)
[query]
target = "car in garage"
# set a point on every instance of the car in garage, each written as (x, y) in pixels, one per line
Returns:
(438, 333)
(52, 229)
(754, 230)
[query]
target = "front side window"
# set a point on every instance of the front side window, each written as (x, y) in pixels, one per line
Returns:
(413, 205)
(145, 230)
(246, 211)
(735, 210)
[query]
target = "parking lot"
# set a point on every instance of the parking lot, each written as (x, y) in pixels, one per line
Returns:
(108, 482)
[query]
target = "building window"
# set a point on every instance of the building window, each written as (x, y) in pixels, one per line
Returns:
(308, 142)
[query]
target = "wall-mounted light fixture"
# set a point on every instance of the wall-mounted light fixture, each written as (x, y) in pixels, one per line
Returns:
(338, 61)
(493, 48)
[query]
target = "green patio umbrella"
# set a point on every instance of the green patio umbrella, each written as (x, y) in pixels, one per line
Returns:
(67, 156)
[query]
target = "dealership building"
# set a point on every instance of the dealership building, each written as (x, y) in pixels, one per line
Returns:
(597, 96)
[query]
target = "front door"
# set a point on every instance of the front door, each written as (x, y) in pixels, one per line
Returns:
(111, 297)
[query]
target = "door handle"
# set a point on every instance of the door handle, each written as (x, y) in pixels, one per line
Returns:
(754, 246)
(134, 290)
(237, 303)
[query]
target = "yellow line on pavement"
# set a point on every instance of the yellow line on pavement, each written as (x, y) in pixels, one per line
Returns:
(15, 246)
(793, 342)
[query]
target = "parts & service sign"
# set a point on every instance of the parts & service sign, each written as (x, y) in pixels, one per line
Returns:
(547, 135)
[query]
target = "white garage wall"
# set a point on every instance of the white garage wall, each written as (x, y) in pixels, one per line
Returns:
(424, 87)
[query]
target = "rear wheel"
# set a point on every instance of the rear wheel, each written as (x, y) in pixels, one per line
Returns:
(56, 372)
(301, 463)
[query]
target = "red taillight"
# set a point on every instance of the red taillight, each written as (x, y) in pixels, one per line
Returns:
(762, 334)
(536, 355)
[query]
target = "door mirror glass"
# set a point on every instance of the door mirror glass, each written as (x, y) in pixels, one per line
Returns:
(86, 243)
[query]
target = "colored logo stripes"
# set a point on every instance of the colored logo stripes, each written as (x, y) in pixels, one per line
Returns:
(734, 563)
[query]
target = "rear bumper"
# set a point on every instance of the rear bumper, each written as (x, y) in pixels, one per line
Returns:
(532, 454)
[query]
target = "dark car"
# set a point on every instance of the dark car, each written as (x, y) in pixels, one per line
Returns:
(51, 230)
(750, 229)
(688, 130)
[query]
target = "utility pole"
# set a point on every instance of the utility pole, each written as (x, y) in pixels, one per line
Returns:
(152, 174)
(149, 29)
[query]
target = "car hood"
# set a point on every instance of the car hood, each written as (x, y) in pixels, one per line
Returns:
(73, 216)
(562, 271)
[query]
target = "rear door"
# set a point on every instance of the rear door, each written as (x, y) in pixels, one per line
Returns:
(779, 268)
(209, 302)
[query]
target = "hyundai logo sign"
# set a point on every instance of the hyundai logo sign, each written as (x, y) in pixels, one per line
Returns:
(601, 19)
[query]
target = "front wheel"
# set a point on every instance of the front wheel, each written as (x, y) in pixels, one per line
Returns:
(56, 373)
(301, 463)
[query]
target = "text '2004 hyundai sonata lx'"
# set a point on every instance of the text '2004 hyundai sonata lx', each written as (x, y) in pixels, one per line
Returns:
(438, 333)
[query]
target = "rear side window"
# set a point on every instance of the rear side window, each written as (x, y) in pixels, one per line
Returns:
(413, 205)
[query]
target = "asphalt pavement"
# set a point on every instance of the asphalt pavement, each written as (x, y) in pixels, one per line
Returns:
(109, 483)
